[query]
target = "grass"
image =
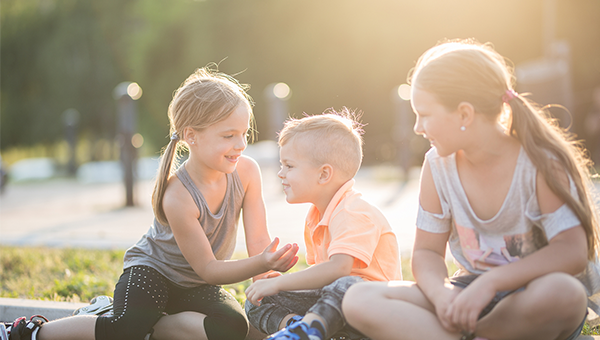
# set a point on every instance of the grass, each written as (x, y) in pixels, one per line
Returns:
(78, 275)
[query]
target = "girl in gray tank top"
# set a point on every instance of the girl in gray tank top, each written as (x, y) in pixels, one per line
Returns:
(180, 263)
(509, 194)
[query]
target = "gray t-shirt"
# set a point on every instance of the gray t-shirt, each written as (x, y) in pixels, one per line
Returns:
(158, 248)
(517, 230)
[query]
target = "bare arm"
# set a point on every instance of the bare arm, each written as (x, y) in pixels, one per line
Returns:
(428, 259)
(253, 207)
(254, 211)
(317, 276)
(183, 215)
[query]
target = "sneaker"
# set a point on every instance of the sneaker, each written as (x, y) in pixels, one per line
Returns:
(98, 306)
(293, 320)
(3, 332)
(22, 329)
(297, 331)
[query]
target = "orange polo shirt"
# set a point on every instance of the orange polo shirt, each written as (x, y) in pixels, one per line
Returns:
(352, 226)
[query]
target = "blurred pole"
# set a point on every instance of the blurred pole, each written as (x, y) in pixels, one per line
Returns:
(403, 126)
(125, 95)
(277, 95)
(71, 120)
(548, 25)
(549, 78)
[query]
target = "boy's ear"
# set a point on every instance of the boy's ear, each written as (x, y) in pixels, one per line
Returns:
(466, 111)
(326, 174)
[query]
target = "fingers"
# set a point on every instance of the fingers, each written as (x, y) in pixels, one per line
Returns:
(271, 275)
(282, 251)
(271, 247)
(252, 296)
(463, 318)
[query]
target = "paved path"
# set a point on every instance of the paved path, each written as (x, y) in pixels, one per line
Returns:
(67, 213)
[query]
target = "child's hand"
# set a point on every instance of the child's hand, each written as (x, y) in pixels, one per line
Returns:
(268, 275)
(260, 289)
(466, 307)
(442, 303)
(280, 260)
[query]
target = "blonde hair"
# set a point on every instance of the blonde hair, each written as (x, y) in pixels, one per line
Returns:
(206, 97)
(333, 138)
(466, 71)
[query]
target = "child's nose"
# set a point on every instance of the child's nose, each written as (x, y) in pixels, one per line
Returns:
(241, 144)
(280, 173)
(418, 128)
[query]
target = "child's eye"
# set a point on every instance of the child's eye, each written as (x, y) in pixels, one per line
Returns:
(229, 136)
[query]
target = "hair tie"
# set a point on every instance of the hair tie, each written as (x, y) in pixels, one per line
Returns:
(509, 95)
(174, 136)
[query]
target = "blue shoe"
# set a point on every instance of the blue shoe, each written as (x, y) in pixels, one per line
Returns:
(297, 331)
(293, 320)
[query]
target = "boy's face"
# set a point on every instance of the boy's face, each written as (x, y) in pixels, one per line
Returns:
(299, 176)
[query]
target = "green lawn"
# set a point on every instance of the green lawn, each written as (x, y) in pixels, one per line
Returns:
(78, 275)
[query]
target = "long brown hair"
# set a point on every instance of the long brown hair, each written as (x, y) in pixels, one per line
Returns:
(466, 71)
(206, 97)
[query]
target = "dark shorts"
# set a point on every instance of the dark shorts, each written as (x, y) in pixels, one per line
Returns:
(465, 280)
(142, 295)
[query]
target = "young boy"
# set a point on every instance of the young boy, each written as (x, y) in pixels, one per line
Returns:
(347, 239)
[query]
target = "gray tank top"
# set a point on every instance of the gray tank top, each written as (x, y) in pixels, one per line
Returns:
(158, 248)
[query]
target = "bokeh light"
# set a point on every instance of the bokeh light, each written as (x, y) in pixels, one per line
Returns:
(134, 91)
(137, 140)
(281, 90)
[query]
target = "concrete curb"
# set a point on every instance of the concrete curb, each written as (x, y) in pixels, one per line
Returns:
(11, 309)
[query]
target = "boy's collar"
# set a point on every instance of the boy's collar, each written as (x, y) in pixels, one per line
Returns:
(335, 200)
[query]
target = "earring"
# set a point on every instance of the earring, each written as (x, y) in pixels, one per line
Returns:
(462, 128)
(192, 142)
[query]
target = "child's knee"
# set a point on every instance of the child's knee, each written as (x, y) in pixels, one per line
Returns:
(558, 297)
(356, 299)
(226, 327)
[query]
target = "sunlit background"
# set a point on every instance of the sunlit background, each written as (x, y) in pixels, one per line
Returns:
(63, 59)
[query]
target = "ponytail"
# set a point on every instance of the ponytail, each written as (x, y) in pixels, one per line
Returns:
(540, 135)
(162, 178)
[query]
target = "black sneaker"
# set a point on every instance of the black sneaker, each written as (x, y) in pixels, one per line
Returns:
(22, 329)
(98, 306)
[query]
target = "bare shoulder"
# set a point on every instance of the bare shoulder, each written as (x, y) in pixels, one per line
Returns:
(177, 199)
(428, 195)
(547, 199)
(248, 170)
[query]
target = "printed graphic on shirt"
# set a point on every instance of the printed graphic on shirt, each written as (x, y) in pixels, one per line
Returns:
(485, 251)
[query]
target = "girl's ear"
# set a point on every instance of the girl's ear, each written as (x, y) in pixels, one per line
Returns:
(466, 112)
(189, 135)
(326, 174)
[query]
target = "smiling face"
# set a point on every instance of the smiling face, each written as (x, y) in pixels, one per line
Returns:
(299, 175)
(220, 145)
(435, 122)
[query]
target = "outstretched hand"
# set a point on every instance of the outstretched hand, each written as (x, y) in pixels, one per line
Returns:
(280, 260)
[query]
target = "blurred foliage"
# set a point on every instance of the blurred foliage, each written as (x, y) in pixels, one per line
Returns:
(61, 54)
